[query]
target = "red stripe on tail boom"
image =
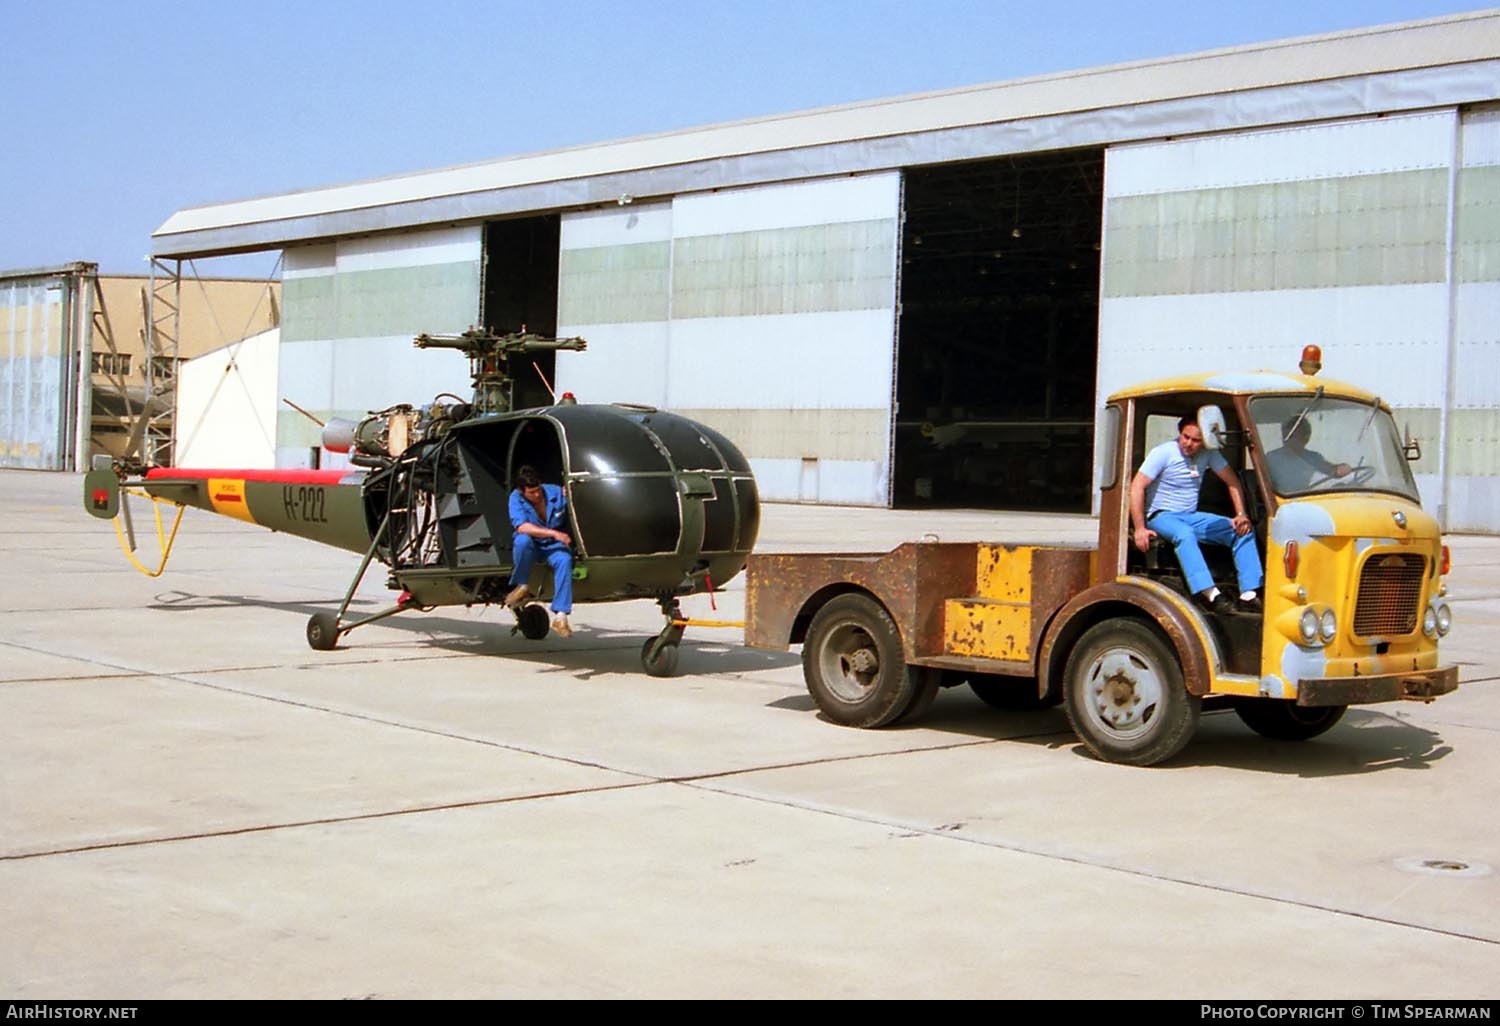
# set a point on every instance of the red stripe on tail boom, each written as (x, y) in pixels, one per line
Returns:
(286, 476)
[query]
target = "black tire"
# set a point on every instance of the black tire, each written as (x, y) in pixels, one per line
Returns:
(1013, 694)
(532, 620)
(854, 665)
(323, 631)
(1125, 697)
(664, 663)
(929, 683)
(1283, 720)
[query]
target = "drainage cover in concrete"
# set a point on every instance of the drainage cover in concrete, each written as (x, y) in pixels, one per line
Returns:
(1442, 867)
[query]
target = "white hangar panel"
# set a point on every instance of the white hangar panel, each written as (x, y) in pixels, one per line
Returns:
(226, 405)
(792, 205)
(1219, 249)
(1473, 428)
(1283, 155)
(782, 330)
(830, 360)
(624, 363)
(766, 312)
(641, 222)
(1266, 331)
(350, 311)
(613, 280)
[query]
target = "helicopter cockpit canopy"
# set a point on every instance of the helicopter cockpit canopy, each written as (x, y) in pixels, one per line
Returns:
(659, 504)
(631, 474)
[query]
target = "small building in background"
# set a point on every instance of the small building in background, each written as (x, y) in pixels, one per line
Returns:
(89, 362)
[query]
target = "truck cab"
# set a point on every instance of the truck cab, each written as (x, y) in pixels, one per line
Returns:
(1353, 597)
(1351, 613)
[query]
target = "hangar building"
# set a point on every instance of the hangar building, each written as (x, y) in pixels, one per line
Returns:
(923, 300)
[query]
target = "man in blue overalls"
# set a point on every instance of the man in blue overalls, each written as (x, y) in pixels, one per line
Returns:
(539, 517)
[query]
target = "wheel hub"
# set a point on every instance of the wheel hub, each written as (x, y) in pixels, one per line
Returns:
(863, 662)
(851, 663)
(1125, 690)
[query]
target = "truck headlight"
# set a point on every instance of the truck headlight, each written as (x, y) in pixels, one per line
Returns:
(1307, 625)
(1444, 619)
(1328, 626)
(1429, 622)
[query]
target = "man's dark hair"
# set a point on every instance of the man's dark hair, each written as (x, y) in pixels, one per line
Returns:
(1184, 422)
(527, 477)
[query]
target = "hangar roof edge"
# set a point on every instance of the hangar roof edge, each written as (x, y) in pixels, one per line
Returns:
(290, 217)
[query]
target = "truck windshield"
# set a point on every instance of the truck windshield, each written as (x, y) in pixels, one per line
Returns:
(1319, 444)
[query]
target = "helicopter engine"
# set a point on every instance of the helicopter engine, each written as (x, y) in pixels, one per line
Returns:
(386, 434)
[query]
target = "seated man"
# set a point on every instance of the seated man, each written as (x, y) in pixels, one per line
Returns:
(538, 515)
(1167, 486)
(1296, 468)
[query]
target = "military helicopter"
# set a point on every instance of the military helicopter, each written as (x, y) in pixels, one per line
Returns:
(661, 506)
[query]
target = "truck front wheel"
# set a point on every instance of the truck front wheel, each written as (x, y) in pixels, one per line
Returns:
(1282, 720)
(1125, 696)
(854, 665)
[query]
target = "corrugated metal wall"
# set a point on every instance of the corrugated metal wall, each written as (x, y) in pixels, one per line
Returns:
(1236, 250)
(351, 311)
(1473, 431)
(38, 370)
(767, 312)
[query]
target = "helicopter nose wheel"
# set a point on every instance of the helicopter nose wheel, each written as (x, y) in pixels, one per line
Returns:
(659, 654)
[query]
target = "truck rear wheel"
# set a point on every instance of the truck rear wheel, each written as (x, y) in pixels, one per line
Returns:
(854, 665)
(929, 683)
(1283, 720)
(1125, 696)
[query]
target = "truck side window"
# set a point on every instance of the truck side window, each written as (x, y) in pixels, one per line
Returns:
(1159, 428)
(1108, 458)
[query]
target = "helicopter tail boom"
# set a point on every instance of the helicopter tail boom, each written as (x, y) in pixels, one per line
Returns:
(320, 505)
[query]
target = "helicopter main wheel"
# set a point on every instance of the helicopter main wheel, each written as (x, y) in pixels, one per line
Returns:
(663, 661)
(1283, 720)
(323, 631)
(532, 620)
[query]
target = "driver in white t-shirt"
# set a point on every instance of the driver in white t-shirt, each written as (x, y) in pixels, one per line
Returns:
(1164, 501)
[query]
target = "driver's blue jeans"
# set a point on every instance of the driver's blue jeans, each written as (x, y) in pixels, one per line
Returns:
(1186, 530)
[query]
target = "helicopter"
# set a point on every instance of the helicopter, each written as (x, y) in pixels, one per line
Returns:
(660, 506)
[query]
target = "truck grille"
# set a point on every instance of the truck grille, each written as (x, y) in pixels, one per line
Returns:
(1390, 594)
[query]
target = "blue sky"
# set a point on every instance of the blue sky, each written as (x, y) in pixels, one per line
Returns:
(118, 114)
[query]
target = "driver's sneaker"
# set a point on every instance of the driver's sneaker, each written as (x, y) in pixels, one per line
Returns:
(561, 627)
(1220, 603)
(520, 593)
(1253, 604)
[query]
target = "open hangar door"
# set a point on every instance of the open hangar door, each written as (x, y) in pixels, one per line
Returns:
(998, 333)
(520, 293)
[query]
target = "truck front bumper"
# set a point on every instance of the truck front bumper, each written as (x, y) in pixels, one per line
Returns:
(1418, 686)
